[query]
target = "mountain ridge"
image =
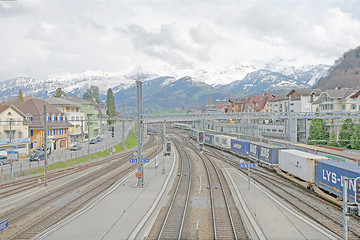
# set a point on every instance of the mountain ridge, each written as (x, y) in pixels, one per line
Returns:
(171, 90)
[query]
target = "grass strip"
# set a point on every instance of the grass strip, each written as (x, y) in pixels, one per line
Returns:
(130, 142)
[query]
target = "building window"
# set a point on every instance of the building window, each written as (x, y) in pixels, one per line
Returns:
(65, 130)
(31, 145)
(311, 97)
(54, 132)
(353, 106)
(31, 133)
(343, 106)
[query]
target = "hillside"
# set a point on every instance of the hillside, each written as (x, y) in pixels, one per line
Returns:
(345, 73)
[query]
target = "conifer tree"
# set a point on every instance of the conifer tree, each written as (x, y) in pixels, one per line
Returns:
(21, 97)
(59, 93)
(318, 133)
(355, 138)
(111, 111)
(92, 93)
(347, 130)
(332, 140)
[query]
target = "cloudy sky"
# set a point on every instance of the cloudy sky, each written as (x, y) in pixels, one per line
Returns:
(72, 36)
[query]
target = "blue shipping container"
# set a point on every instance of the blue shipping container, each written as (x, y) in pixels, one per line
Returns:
(240, 146)
(253, 150)
(209, 138)
(329, 175)
(269, 153)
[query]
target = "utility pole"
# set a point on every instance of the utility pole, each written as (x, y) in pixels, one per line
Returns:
(82, 130)
(345, 214)
(164, 147)
(10, 123)
(123, 126)
(140, 171)
(45, 145)
(88, 126)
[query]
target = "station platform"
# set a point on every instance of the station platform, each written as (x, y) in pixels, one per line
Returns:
(267, 217)
(125, 211)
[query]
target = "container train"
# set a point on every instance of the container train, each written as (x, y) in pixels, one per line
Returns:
(319, 170)
(182, 126)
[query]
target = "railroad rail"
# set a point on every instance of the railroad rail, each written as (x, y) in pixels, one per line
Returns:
(223, 224)
(37, 215)
(174, 220)
(15, 187)
(303, 200)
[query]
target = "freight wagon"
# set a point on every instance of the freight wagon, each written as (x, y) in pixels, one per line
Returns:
(342, 156)
(225, 142)
(299, 164)
(209, 138)
(268, 154)
(217, 142)
(329, 177)
(240, 146)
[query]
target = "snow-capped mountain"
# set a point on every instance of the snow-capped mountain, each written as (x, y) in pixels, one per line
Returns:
(279, 76)
(231, 81)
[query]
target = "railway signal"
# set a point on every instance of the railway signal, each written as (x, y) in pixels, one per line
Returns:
(168, 149)
(113, 131)
(201, 137)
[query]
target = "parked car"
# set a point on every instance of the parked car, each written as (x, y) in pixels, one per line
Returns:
(98, 138)
(41, 149)
(37, 156)
(76, 148)
(93, 141)
(4, 160)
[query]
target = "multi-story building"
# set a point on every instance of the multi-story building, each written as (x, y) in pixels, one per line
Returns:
(57, 123)
(337, 101)
(74, 116)
(13, 131)
(301, 100)
(91, 114)
(251, 104)
(279, 103)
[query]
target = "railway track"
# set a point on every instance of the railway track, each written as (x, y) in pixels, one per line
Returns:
(35, 216)
(317, 209)
(13, 188)
(221, 214)
(223, 223)
(173, 223)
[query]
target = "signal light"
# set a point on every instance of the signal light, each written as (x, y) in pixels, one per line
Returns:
(168, 147)
(201, 138)
(112, 131)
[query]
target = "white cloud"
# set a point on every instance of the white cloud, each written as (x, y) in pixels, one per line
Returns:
(42, 37)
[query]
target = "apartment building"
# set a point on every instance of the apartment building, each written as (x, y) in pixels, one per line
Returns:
(74, 115)
(251, 104)
(88, 108)
(301, 100)
(13, 131)
(337, 101)
(57, 123)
